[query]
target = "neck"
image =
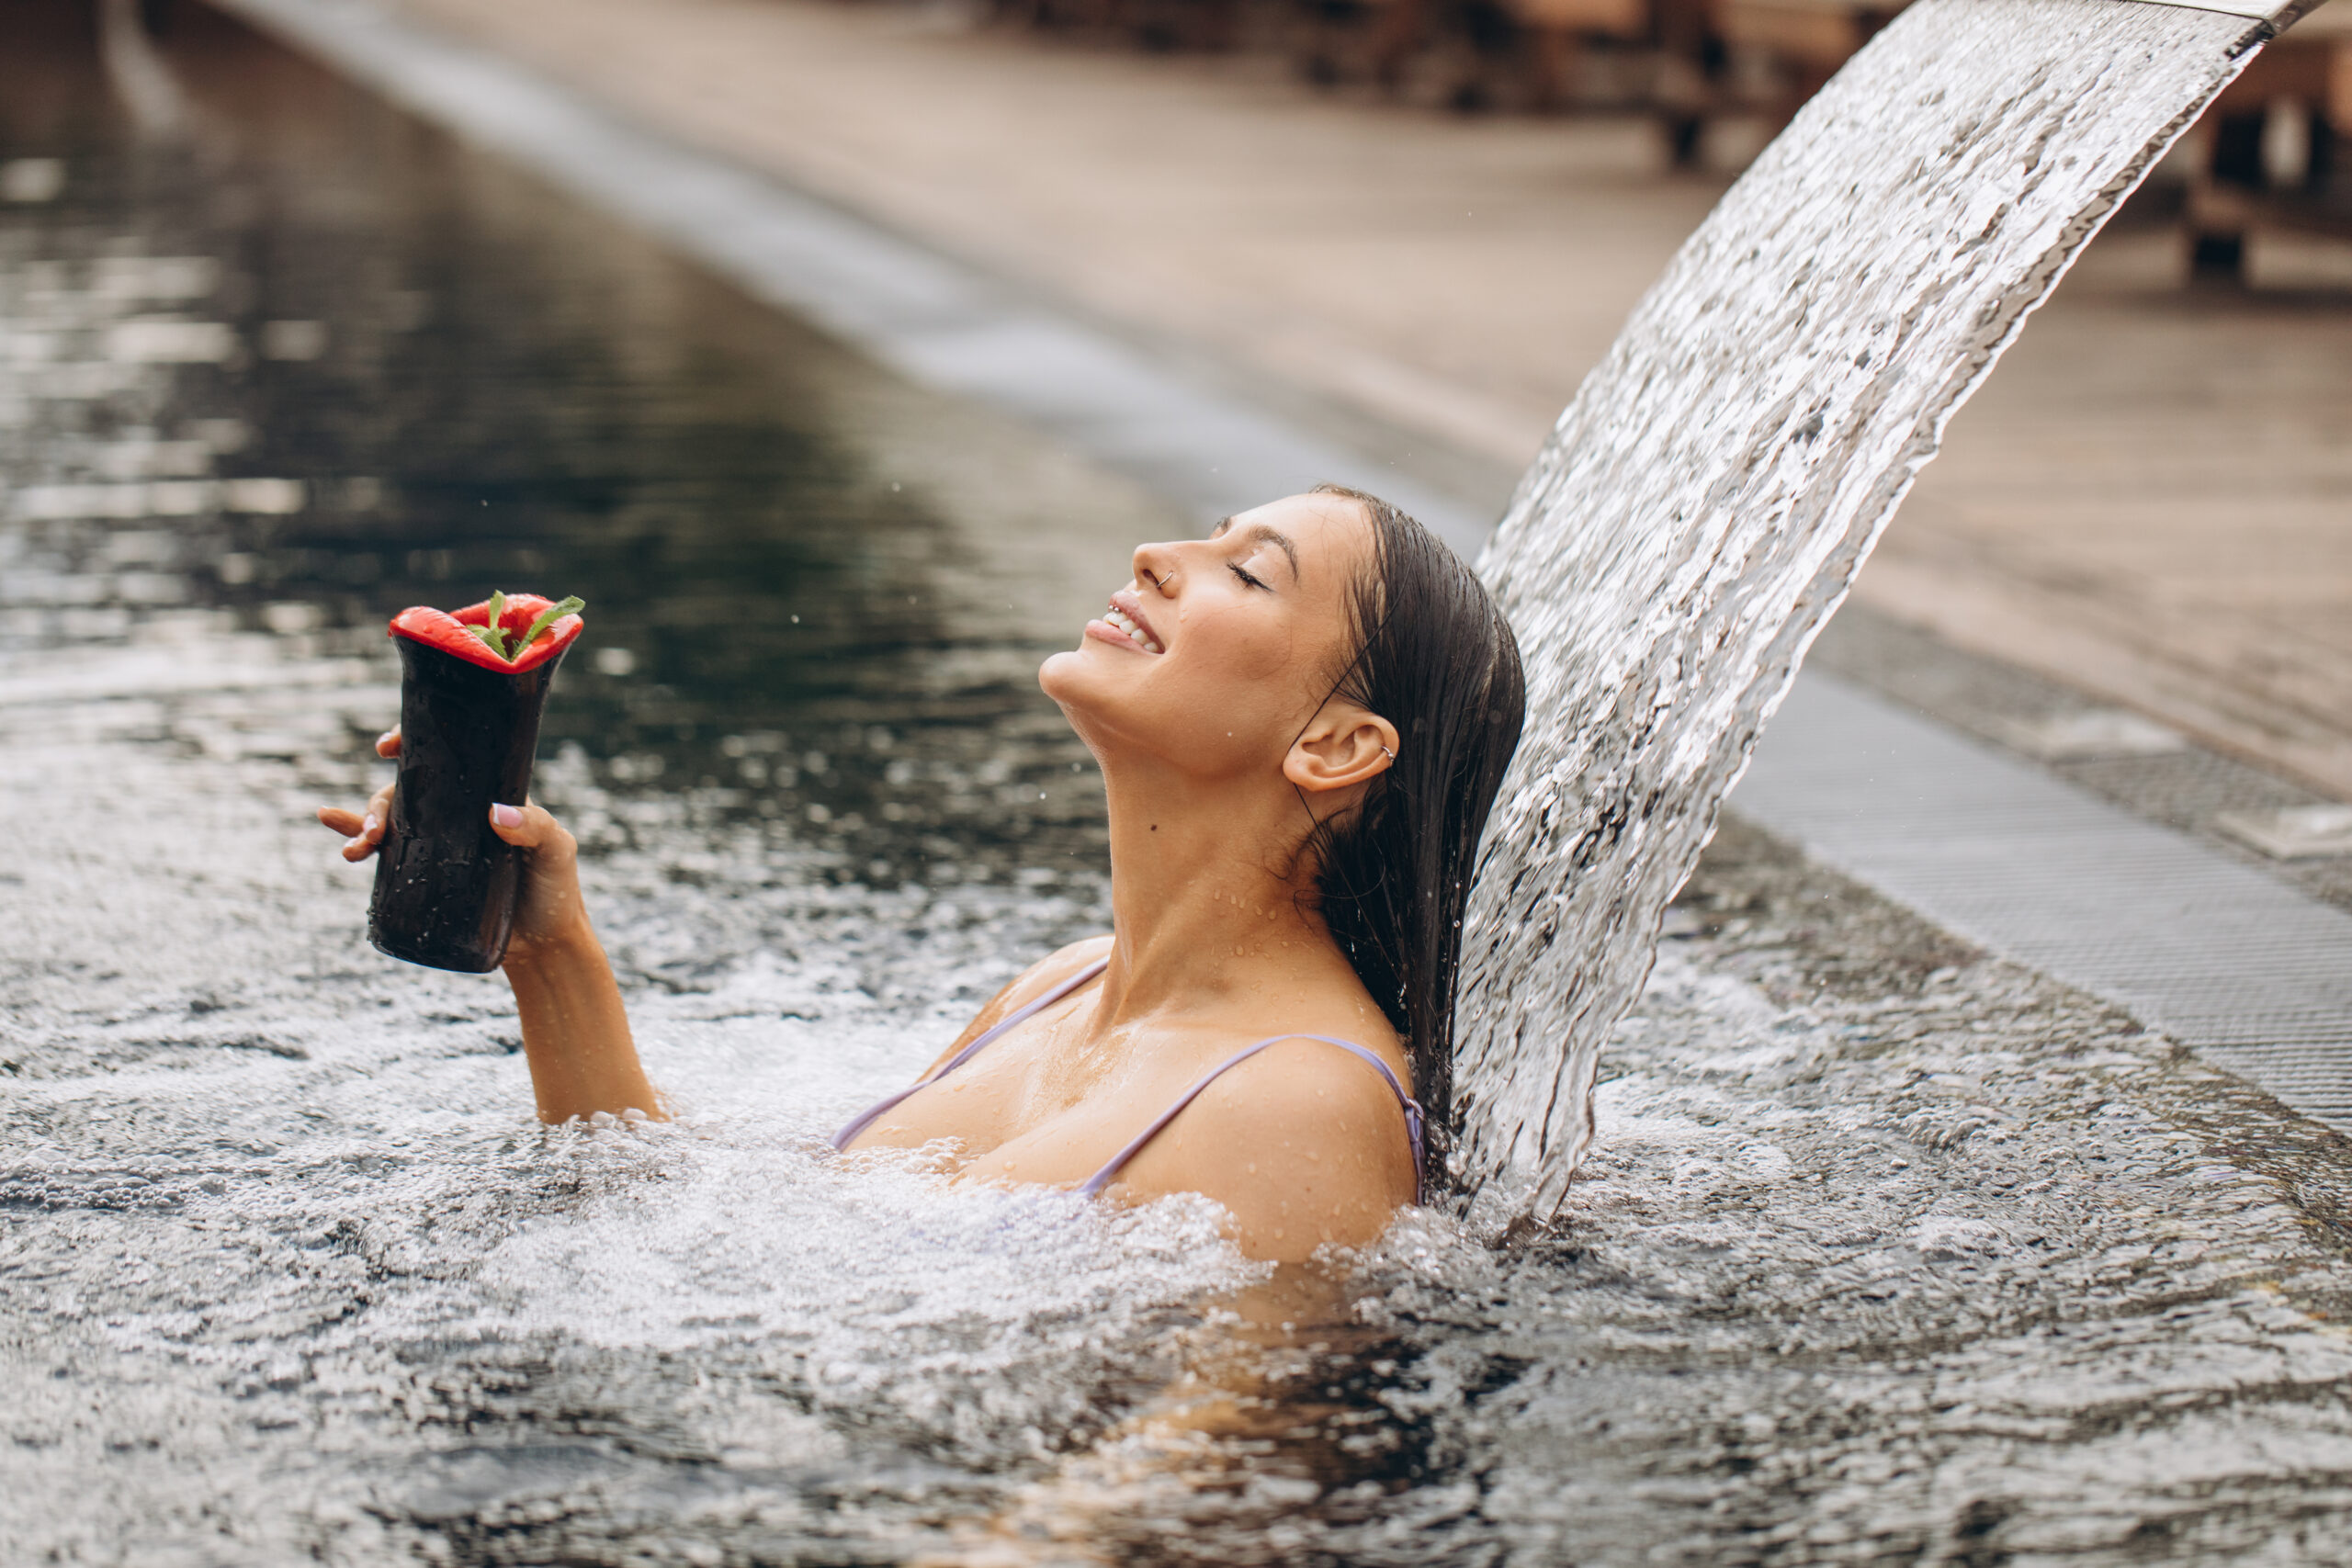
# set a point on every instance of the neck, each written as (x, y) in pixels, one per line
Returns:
(1203, 898)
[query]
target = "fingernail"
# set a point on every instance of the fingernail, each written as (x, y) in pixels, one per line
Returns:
(506, 816)
(367, 826)
(383, 739)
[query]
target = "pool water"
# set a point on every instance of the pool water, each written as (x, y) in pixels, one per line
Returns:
(1889, 1251)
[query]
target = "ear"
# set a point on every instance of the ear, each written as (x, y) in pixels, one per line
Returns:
(1344, 745)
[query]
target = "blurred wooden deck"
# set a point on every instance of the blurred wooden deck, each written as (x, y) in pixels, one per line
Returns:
(2152, 499)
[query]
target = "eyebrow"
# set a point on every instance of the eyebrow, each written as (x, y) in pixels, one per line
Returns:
(1262, 534)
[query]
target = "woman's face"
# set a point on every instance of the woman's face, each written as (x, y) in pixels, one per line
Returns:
(1220, 650)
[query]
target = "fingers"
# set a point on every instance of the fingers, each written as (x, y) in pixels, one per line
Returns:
(364, 829)
(528, 827)
(371, 833)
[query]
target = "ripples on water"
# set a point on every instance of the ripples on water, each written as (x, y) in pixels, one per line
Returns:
(1887, 1253)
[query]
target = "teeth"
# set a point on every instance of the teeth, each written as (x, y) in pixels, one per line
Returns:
(1119, 618)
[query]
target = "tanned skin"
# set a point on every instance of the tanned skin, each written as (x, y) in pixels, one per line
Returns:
(1219, 753)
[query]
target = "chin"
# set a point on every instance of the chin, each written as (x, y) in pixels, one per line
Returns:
(1088, 690)
(1076, 690)
(1081, 675)
(1060, 672)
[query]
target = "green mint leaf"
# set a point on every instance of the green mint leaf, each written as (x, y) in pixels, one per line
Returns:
(498, 621)
(491, 638)
(550, 616)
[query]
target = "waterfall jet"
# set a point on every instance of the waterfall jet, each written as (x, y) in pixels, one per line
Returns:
(1704, 504)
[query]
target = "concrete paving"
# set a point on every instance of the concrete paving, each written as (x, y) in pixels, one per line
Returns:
(2147, 502)
(1372, 254)
(2152, 499)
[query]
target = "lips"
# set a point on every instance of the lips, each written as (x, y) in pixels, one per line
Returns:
(1126, 617)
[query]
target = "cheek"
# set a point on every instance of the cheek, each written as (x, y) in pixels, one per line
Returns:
(1236, 685)
(1234, 645)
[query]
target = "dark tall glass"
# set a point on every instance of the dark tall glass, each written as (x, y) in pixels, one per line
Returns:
(444, 882)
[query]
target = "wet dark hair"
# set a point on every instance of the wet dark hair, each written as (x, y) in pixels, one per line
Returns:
(1435, 658)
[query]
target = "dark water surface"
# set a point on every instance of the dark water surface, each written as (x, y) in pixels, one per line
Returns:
(803, 608)
(1888, 1252)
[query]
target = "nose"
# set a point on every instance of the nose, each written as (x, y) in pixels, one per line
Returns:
(1155, 567)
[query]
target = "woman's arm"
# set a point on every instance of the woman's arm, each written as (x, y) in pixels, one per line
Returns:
(575, 1031)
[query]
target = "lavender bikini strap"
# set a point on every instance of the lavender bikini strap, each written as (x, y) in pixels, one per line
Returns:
(865, 1119)
(1414, 1120)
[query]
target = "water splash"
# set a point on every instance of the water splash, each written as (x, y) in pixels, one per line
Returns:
(1706, 501)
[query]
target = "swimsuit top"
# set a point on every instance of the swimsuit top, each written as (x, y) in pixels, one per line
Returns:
(1094, 1184)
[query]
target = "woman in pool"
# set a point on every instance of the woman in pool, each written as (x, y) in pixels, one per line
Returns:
(1302, 721)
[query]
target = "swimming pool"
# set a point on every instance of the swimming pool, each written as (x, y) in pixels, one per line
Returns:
(1889, 1252)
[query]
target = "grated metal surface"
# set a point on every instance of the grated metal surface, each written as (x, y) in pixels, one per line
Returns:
(2187, 790)
(2253, 974)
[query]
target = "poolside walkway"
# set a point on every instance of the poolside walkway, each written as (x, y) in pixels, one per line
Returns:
(2150, 500)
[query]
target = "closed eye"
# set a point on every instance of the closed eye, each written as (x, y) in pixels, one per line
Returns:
(1246, 577)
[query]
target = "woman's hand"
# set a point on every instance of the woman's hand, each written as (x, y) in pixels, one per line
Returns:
(548, 904)
(575, 1031)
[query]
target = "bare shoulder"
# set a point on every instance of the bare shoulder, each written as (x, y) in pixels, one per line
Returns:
(1053, 969)
(1029, 985)
(1303, 1143)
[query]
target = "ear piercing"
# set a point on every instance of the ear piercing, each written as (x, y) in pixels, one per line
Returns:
(1392, 756)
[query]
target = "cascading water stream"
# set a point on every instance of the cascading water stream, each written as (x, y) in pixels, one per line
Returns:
(1706, 501)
